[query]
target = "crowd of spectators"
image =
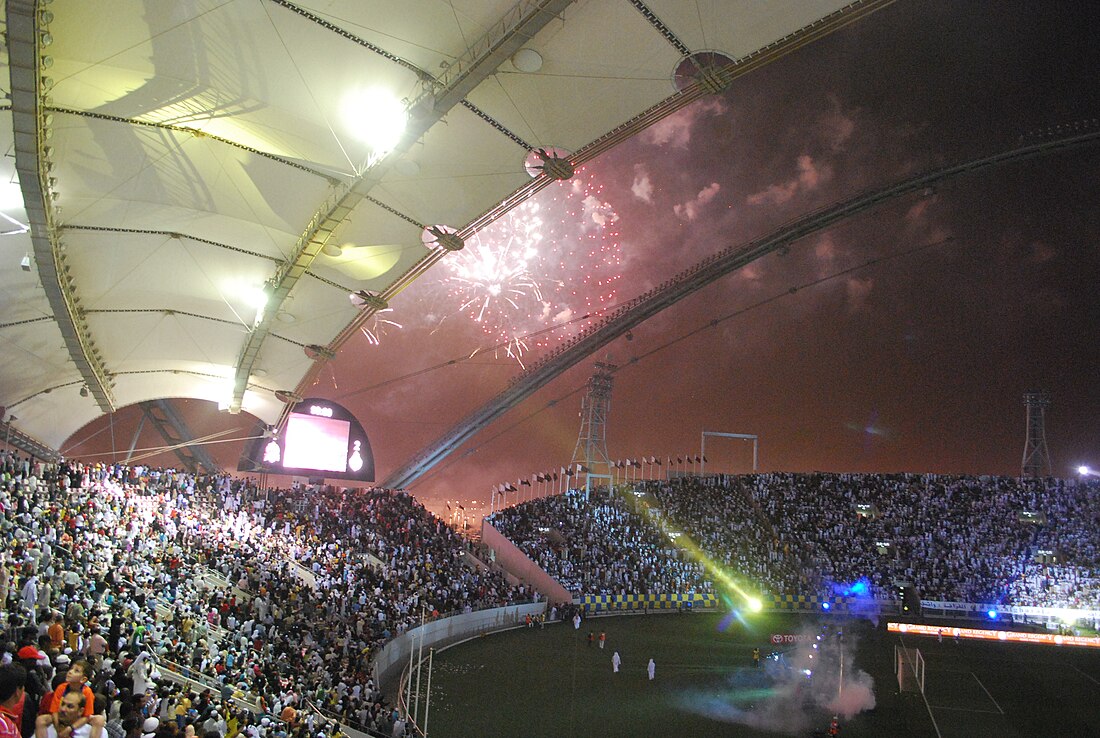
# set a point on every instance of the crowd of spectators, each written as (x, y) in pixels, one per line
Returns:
(278, 598)
(955, 538)
(264, 607)
(601, 542)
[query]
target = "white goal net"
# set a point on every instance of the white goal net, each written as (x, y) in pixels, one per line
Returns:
(909, 666)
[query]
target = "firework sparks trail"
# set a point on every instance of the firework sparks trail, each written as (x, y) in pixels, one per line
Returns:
(378, 327)
(554, 257)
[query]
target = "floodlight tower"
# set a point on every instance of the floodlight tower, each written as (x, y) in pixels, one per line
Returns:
(590, 456)
(1036, 456)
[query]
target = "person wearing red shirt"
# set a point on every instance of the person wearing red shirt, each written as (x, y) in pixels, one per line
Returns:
(13, 680)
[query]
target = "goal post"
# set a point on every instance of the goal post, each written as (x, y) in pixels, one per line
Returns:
(741, 436)
(909, 667)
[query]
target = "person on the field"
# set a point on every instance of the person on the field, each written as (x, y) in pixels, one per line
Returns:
(651, 669)
(616, 662)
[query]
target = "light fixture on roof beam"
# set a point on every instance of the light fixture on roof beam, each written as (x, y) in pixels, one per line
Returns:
(550, 161)
(706, 69)
(288, 396)
(317, 352)
(443, 236)
(366, 299)
(377, 117)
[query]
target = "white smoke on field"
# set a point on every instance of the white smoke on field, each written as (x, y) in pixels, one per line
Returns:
(858, 695)
(806, 679)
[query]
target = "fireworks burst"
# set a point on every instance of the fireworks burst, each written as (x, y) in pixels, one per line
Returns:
(379, 325)
(544, 265)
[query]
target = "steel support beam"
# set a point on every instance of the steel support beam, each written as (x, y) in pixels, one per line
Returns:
(15, 438)
(32, 164)
(176, 433)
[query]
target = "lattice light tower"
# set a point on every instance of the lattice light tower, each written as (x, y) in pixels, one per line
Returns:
(590, 456)
(1036, 456)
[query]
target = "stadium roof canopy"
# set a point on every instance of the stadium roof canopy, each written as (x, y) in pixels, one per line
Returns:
(172, 166)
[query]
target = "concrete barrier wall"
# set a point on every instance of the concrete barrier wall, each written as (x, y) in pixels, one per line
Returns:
(444, 632)
(519, 565)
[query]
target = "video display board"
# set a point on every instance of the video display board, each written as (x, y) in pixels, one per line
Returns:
(321, 438)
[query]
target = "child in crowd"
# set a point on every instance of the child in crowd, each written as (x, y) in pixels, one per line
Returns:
(78, 675)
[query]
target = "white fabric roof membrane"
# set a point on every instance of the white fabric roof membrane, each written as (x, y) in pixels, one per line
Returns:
(183, 150)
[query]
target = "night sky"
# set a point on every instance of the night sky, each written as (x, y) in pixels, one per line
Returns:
(979, 291)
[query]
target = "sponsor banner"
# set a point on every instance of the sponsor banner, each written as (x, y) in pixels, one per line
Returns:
(981, 634)
(1041, 612)
(779, 638)
(957, 606)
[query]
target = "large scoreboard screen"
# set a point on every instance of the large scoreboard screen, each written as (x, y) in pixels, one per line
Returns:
(312, 442)
(320, 439)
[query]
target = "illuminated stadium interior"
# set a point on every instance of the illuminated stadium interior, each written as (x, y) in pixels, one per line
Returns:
(302, 303)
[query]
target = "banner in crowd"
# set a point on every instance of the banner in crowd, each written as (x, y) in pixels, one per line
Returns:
(1028, 611)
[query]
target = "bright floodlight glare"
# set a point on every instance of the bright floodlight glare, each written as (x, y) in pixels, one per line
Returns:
(1083, 470)
(992, 614)
(257, 297)
(755, 605)
(377, 118)
(825, 605)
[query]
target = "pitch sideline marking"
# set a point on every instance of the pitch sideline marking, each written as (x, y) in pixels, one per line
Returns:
(979, 681)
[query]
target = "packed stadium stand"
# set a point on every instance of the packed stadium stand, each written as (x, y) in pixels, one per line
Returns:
(207, 601)
(265, 604)
(955, 538)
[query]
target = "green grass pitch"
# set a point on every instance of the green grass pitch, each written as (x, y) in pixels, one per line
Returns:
(532, 682)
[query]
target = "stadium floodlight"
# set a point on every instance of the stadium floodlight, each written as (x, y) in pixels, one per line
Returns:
(755, 604)
(1084, 471)
(377, 117)
(992, 614)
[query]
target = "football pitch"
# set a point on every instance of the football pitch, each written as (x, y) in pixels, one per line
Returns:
(552, 682)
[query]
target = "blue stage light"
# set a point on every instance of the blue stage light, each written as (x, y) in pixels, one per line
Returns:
(992, 614)
(825, 605)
